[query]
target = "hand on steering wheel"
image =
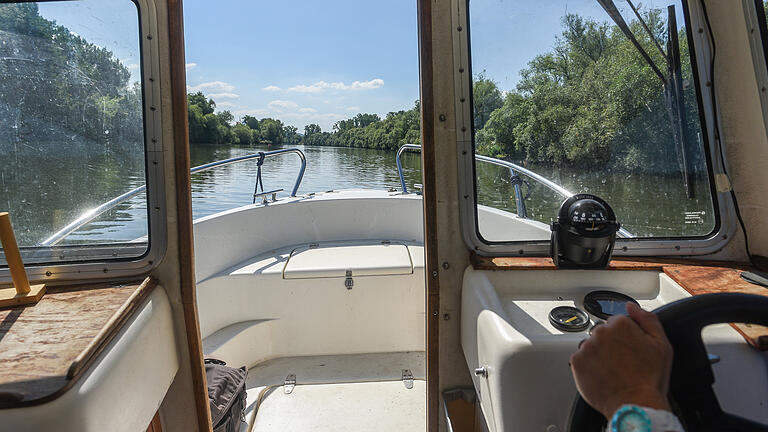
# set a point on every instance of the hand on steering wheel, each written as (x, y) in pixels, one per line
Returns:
(627, 360)
(691, 379)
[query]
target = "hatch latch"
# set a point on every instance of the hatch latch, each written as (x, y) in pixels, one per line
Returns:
(289, 384)
(407, 378)
(348, 282)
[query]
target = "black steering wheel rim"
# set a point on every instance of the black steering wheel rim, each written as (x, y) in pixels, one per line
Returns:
(692, 377)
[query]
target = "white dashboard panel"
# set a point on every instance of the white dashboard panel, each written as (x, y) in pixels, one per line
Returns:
(528, 387)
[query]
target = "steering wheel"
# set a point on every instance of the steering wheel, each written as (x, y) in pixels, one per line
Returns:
(691, 392)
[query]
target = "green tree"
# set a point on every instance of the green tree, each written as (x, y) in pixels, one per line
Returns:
(207, 106)
(243, 133)
(592, 100)
(251, 122)
(225, 117)
(311, 129)
(486, 98)
(69, 87)
(370, 131)
(291, 135)
(271, 131)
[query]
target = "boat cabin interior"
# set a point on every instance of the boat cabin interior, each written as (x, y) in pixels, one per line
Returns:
(623, 158)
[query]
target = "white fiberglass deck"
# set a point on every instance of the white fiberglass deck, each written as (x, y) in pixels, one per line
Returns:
(329, 288)
(340, 393)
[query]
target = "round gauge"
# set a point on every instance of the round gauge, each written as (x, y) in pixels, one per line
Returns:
(604, 304)
(589, 214)
(569, 319)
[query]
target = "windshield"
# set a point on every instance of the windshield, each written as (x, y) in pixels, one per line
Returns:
(595, 97)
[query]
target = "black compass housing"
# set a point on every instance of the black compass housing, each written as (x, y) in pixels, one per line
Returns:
(584, 234)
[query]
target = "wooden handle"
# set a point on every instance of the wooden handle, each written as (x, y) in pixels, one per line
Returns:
(12, 255)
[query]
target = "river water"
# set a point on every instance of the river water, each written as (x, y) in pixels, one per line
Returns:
(646, 205)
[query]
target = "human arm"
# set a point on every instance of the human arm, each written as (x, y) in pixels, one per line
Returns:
(626, 361)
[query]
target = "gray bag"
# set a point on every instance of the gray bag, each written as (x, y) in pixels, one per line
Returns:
(226, 394)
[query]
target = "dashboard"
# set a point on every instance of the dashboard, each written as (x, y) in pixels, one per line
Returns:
(517, 342)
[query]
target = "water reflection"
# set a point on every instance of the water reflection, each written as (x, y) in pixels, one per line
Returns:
(645, 205)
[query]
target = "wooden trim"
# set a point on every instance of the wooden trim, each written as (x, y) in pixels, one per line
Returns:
(39, 386)
(429, 173)
(12, 255)
(110, 329)
(156, 425)
(480, 262)
(184, 211)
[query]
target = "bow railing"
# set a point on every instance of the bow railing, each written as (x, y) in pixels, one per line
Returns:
(93, 213)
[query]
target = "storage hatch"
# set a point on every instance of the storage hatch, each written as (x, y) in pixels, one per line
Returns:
(335, 260)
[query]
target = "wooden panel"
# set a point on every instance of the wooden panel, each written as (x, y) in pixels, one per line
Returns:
(155, 426)
(46, 347)
(429, 180)
(545, 263)
(706, 279)
(696, 277)
(184, 211)
(462, 415)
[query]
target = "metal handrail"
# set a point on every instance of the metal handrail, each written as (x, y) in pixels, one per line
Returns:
(519, 199)
(92, 214)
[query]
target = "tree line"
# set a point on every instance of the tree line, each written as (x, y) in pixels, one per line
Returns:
(363, 130)
(593, 101)
(590, 101)
(58, 87)
(369, 131)
(210, 127)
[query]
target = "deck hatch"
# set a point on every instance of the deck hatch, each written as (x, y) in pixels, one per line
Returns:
(339, 260)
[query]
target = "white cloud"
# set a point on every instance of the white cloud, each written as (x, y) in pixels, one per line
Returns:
(271, 88)
(282, 105)
(191, 66)
(353, 108)
(132, 66)
(224, 105)
(214, 86)
(259, 112)
(291, 113)
(321, 86)
(313, 117)
(225, 95)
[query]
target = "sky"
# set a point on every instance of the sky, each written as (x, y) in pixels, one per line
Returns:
(309, 61)
(303, 61)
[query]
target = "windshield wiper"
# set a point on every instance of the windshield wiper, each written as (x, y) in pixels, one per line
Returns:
(613, 12)
(673, 81)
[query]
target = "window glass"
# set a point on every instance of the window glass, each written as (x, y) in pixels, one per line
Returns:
(72, 128)
(593, 97)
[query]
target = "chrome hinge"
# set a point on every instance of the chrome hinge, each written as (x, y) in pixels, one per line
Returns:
(289, 384)
(408, 378)
(348, 282)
